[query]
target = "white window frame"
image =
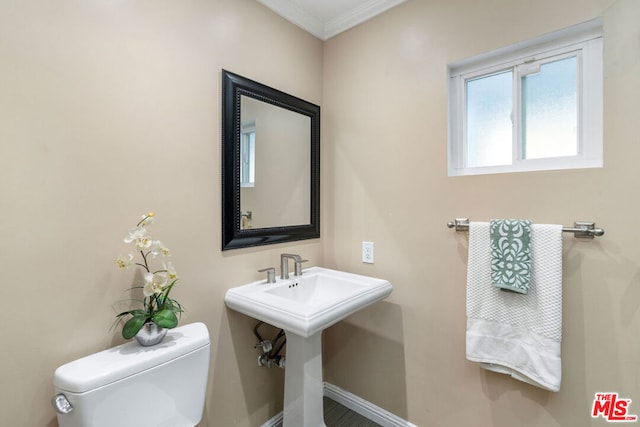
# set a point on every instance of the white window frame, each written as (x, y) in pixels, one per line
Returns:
(583, 40)
(248, 155)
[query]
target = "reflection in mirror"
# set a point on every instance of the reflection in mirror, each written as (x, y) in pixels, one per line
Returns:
(248, 155)
(270, 165)
(279, 193)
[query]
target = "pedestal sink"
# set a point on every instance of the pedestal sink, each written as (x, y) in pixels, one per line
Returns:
(304, 306)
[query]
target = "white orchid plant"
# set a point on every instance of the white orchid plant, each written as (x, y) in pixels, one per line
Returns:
(157, 306)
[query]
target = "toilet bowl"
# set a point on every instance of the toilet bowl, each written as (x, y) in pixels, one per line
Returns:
(134, 386)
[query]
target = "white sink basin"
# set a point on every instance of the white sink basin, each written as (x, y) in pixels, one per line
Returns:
(310, 303)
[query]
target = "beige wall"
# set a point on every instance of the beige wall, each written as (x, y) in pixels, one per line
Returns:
(109, 109)
(385, 115)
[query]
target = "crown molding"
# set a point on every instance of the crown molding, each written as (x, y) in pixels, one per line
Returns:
(357, 16)
(297, 15)
(293, 12)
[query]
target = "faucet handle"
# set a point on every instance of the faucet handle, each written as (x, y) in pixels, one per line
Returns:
(298, 266)
(271, 274)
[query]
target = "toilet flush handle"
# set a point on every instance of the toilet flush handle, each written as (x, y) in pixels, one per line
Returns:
(61, 403)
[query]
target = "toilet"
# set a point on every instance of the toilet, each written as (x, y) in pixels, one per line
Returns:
(134, 386)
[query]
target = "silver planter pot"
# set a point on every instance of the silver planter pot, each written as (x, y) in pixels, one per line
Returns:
(150, 334)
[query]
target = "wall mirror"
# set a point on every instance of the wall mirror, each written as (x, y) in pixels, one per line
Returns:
(270, 165)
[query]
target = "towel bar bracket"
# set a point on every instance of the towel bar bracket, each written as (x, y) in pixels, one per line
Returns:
(584, 230)
(580, 229)
(459, 224)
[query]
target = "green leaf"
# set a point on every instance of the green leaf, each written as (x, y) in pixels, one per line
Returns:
(165, 319)
(133, 325)
(133, 313)
(168, 305)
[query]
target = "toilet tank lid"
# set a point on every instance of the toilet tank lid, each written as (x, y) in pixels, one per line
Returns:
(108, 366)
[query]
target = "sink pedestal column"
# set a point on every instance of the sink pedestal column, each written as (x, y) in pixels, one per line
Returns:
(303, 389)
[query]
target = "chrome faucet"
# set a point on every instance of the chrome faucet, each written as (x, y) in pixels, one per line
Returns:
(284, 265)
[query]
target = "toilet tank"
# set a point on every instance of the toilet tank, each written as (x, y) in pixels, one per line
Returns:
(134, 386)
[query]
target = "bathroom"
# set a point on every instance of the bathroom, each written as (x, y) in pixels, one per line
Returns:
(109, 109)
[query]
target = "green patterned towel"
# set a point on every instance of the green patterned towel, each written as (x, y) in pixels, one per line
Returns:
(510, 255)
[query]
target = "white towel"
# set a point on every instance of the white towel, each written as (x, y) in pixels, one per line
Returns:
(512, 333)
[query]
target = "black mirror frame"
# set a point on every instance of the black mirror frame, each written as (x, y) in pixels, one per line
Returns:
(233, 86)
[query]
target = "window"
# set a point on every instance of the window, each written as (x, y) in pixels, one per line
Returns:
(536, 105)
(248, 155)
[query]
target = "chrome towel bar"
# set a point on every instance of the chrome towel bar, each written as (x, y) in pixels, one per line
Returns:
(580, 229)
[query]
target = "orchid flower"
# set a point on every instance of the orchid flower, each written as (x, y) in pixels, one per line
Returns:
(157, 249)
(146, 219)
(139, 238)
(154, 283)
(170, 269)
(124, 261)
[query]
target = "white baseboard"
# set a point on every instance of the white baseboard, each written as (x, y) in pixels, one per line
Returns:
(364, 408)
(357, 405)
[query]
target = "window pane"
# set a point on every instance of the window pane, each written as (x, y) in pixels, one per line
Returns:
(489, 129)
(248, 158)
(549, 111)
